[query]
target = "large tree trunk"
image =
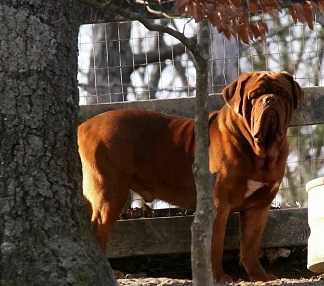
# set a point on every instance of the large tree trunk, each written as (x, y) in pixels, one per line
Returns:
(44, 235)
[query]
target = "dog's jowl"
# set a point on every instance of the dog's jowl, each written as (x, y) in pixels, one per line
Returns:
(152, 154)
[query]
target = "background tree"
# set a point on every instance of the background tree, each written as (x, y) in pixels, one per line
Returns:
(111, 84)
(113, 61)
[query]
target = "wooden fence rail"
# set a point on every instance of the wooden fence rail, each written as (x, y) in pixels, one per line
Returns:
(167, 235)
(311, 110)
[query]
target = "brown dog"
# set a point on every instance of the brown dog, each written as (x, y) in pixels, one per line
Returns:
(152, 154)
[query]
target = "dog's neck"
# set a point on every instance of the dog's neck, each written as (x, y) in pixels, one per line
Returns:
(240, 130)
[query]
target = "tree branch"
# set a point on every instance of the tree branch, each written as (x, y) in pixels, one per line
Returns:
(96, 11)
(189, 43)
(113, 9)
(167, 52)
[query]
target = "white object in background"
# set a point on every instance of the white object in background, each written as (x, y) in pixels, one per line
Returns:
(315, 256)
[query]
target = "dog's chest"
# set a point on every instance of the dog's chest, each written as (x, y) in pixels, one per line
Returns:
(252, 186)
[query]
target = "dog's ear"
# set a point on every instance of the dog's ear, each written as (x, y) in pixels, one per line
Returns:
(233, 93)
(297, 92)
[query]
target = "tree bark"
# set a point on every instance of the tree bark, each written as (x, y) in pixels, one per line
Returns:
(201, 228)
(44, 235)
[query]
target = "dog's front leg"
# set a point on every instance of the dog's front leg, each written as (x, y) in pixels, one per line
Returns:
(218, 236)
(252, 223)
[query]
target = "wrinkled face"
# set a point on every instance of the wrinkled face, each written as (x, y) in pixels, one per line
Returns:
(266, 101)
(268, 120)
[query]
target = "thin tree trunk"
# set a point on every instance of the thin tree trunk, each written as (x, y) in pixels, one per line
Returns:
(44, 235)
(202, 225)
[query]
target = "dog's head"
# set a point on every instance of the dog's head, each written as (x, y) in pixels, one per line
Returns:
(265, 101)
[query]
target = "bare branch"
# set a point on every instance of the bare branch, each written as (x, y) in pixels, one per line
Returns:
(166, 52)
(189, 43)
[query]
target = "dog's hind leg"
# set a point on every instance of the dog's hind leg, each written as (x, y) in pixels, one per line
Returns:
(252, 224)
(108, 213)
(116, 193)
(106, 196)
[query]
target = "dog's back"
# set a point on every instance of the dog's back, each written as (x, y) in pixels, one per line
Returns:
(147, 152)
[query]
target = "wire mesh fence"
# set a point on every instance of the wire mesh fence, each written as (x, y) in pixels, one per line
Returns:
(123, 61)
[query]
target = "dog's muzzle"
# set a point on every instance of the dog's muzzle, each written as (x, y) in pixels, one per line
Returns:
(266, 121)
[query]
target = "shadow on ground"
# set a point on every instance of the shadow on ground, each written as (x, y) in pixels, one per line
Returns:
(179, 266)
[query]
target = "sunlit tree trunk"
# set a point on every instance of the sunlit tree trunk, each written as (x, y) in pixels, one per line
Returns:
(201, 229)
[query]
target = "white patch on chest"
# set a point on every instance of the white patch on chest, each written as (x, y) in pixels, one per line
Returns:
(253, 186)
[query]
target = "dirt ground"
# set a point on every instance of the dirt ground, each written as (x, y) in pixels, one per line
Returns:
(175, 270)
(180, 282)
